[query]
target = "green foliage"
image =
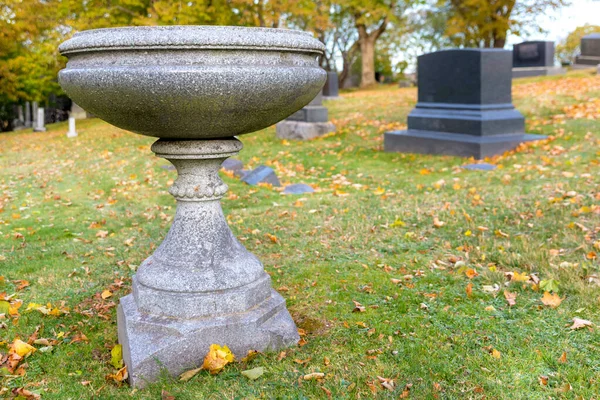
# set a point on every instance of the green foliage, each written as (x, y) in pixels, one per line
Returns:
(569, 47)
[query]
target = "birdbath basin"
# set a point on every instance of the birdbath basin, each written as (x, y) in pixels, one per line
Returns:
(195, 88)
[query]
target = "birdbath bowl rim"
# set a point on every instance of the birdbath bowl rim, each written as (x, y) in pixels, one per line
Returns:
(192, 82)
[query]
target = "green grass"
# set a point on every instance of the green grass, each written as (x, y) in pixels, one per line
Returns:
(370, 221)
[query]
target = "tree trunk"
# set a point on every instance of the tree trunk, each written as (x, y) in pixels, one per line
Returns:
(499, 42)
(367, 51)
(366, 42)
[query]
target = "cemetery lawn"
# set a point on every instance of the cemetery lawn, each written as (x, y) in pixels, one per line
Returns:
(398, 267)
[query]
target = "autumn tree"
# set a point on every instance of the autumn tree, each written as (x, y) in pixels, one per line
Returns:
(486, 23)
(371, 18)
(567, 48)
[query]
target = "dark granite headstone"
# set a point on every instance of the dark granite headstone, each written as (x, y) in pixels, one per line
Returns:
(590, 51)
(535, 58)
(298, 188)
(464, 106)
(331, 88)
(261, 174)
(533, 54)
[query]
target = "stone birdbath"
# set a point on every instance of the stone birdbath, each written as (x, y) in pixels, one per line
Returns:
(195, 88)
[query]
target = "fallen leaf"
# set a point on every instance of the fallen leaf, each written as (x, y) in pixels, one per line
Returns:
(469, 289)
(21, 348)
(358, 307)
(563, 358)
(119, 376)
(187, 375)
(543, 380)
(251, 355)
(314, 375)
(510, 298)
(551, 299)
(164, 395)
(387, 383)
(116, 356)
(437, 223)
(471, 273)
(495, 353)
(254, 373)
(106, 294)
(217, 358)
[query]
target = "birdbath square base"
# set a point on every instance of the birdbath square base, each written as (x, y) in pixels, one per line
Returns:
(201, 286)
(152, 344)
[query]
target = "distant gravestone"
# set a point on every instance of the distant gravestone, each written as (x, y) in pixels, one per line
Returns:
(34, 113)
(307, 123)
(480, 167)
(40, 120)
(232, 164)
(590, 52)
(77, 112)
(464, 106)
(28, 123)
(298, 188)
(534, 58)
(261, 174)
(331, 89)
(72, 131)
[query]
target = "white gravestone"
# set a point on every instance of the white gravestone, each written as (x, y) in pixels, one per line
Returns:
(72, 132)
(39, 122)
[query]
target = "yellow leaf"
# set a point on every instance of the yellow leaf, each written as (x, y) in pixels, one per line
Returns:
(551, 299)
(116, 356)
(437, 223)
(397, 223)
(379, 191)
(496, 354)
(21, 348)
(106, 294)
(217, 358)
(252, 354)
(33, 307)
(468, 233)
(519, 277)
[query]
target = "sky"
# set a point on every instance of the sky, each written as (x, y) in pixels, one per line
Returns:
(559, 23)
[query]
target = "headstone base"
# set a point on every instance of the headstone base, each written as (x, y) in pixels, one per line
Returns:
(586, 62)
(153, 344)
(537, 71)
(296, 130)
(38, 129)
(454, 144)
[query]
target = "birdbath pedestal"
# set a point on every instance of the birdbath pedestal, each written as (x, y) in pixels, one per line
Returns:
(196, 89)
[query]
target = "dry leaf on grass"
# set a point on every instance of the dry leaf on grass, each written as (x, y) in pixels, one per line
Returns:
(579, 323)
(510, 298)
(551, 299)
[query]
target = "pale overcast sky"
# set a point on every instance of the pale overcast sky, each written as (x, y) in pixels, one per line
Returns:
(558, 24)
